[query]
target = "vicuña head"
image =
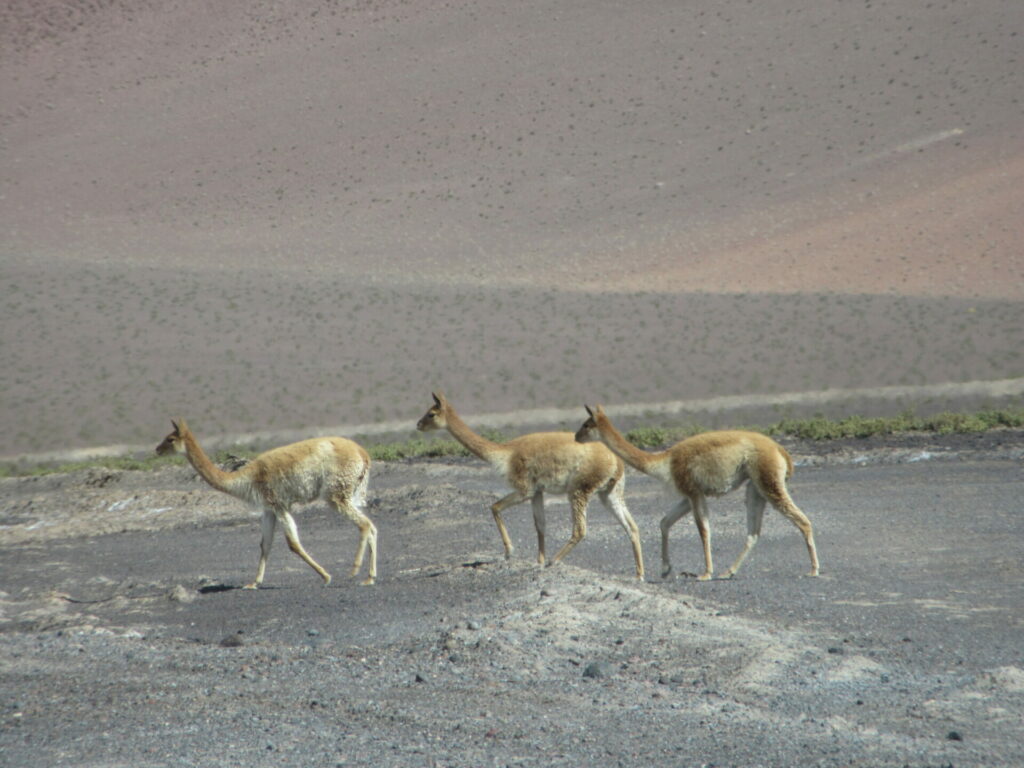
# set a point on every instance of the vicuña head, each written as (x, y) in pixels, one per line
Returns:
(712, 464)
(541, 462)
(330, 468)
(434, 418)
(173, 442)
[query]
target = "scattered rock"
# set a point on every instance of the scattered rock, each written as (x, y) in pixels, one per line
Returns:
(597, 670)
(100, 477)
(232, 641)
(181, 595)
(1009, 678)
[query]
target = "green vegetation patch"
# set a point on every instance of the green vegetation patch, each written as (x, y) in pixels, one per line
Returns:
(821, 428)
(816, 428)
(857, 426)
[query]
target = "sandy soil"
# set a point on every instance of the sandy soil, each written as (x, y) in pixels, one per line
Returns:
(293, 215)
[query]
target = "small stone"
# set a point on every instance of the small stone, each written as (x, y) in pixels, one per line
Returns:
(954, 736)
(420, 678)
(836, 650)
(312, 632)
(474, 625)
(232, 641)
(181, 595)
(597, 669)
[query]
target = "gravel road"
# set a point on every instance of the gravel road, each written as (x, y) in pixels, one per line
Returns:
(125, 640)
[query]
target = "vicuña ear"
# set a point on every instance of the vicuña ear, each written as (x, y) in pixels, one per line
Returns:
(590, 412)
(438, 397)
(173, 424)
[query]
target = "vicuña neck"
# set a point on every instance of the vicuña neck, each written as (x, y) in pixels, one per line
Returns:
(629, 453)
(202, 464)
(480, 446)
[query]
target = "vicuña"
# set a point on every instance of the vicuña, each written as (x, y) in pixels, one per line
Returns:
(712, 464)
(545, 462)
(331, 468)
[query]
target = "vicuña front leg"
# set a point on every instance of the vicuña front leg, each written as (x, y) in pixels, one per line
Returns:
(367, 536)
(755, 515)
(511, 500)
(792, 512)
(367, 540)
(615, 504)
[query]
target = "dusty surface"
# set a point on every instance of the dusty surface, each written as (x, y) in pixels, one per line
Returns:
(136, 646)
(303, 214)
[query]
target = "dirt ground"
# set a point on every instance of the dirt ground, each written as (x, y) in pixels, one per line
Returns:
(125, 639)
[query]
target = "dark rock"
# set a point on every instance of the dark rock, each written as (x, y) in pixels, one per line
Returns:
(597, 669)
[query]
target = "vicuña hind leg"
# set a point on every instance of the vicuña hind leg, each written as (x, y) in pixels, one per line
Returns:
(700, 517)
(291, 534)
(578, 500)
(539, 522)
(671, 518)
(268, 526)
(367, 536)
(755, 515)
